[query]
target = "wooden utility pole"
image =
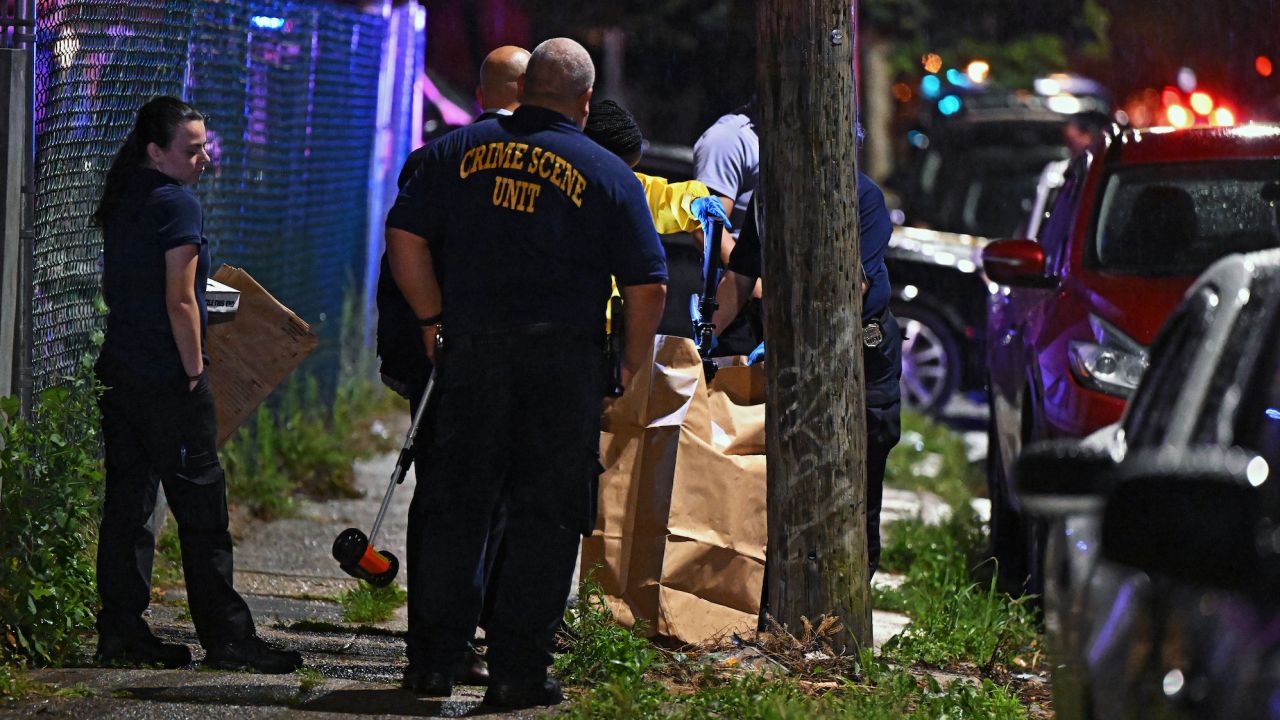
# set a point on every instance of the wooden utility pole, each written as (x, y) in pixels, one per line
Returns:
(813, 304)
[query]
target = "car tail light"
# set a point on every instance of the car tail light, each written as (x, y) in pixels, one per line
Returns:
(1113, 365)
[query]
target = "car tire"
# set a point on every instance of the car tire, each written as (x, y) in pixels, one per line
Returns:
(930, 358)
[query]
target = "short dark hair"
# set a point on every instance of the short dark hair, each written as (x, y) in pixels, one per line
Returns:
(614, 128)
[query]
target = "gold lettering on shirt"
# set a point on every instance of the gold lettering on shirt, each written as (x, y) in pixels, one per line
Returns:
(537, 162)
(515, 194)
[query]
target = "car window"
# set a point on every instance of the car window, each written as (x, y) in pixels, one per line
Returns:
(1223, 398)
(1056, 228)
(1258, 423)
(1176, 219)
(1172, 355)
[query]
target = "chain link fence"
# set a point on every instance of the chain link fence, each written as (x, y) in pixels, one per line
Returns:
(290, 90)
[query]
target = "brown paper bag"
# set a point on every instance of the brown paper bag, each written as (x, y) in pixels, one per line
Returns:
(680, 534)
(252, 354)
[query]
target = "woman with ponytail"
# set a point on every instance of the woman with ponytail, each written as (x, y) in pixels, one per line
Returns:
(158, 420)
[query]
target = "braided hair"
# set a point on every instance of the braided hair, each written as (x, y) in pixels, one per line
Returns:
(614, 129)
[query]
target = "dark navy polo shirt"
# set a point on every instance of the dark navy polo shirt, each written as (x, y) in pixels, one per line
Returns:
(875, 228)
(531, 218)
(155, 215)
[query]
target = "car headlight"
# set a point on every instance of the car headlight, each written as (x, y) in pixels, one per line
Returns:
(1113, 365)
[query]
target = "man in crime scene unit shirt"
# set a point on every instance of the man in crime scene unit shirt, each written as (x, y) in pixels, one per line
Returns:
(531, 218)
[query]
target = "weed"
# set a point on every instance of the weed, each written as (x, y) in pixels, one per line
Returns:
(601, 649)
(52, 479)
(308, 679)
(930, 457)
(623, 675)
(954, 619)
(184, 611)
(369, 604)
(16, 684)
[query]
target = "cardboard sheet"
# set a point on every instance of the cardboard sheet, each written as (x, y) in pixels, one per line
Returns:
(252, 354)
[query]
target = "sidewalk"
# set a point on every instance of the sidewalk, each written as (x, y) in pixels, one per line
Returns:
(289, 579)
(287, 575)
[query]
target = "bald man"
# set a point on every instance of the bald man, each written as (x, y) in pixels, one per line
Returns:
(530, 218)
(497, 94)
(405, 368)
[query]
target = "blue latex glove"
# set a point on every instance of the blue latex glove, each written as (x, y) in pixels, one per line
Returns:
(756, 355)
(708, 208)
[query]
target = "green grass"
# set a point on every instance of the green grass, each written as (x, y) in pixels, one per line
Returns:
(958, 615)
(308, 679)
(303, 441)
(931, 457)
(16, 684)
(618, 674)
(368, 604)
(959, 622)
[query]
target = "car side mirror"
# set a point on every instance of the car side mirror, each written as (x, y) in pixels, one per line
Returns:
(1019, 263)
(1063, 477)
(1200, 517)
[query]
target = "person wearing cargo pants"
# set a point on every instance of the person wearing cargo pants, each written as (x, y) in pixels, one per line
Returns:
(158, 420)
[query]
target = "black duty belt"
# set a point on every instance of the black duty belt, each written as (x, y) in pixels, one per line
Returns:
(873, 330)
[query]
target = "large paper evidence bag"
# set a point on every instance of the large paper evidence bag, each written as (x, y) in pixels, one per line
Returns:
(680, 533)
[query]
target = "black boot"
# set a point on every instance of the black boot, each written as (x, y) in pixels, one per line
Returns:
(515, 697)
(252, 653)
(474, 670)
(140, 649)
(427, 683)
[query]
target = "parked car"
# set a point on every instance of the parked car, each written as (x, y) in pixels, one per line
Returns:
(939, 297)
(1163, 559)
(973, 177)
(1068, 331)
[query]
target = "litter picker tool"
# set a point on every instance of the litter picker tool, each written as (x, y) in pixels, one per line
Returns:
(703, 306)
(355, 552)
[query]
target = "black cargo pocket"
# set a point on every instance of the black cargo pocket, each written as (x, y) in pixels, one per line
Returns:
(197, 446)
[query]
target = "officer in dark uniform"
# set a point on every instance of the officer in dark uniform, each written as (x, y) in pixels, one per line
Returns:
(405, 369)
(159, 425)
(530, 218)
(882, 337)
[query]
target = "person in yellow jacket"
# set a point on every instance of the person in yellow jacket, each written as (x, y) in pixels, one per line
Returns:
(675, 206)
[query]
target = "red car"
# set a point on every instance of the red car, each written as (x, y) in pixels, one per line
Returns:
(1072, 312)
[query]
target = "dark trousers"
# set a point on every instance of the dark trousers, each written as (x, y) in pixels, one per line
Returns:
(518, 427)
(419, 580)
(882, 368)
(884, 427)
(158, 432)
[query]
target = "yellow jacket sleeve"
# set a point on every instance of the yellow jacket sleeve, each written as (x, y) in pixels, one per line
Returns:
(669, 203)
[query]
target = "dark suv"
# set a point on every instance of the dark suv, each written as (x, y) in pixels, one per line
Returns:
(973, 177)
